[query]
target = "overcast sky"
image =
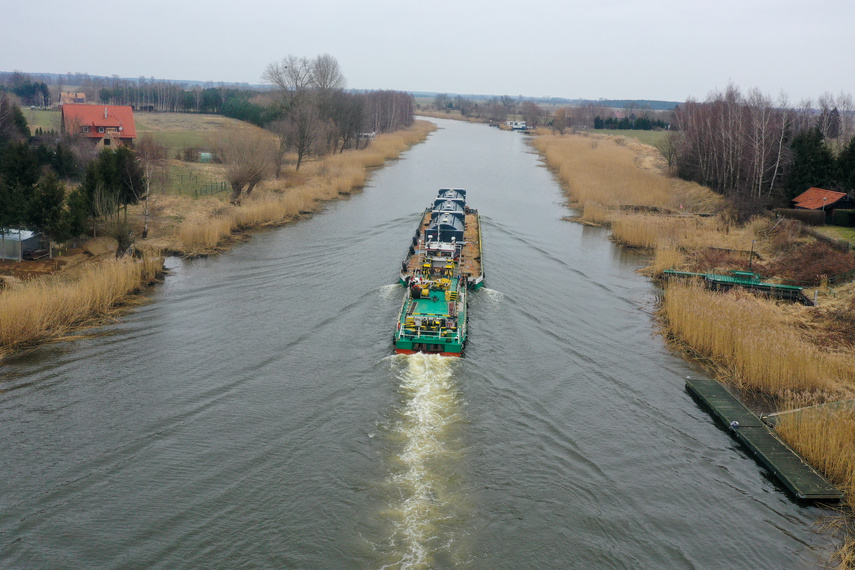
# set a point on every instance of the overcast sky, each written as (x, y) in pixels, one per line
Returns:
(613, 49)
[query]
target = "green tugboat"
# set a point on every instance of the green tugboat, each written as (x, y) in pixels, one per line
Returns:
(442, 265)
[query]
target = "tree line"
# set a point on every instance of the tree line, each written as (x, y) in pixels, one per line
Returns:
(752, 148)
(30, 92)
(631, 123)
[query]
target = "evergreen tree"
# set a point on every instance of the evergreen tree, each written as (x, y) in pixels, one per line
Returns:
(18, 174)
(813, 164)
(19, 165)
(13, 125)
(64, 163)
(116, 172)
(45, 211)
(846, 166)
(77, 213)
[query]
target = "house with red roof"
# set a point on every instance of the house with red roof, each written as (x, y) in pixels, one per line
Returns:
(103, 125)
(825, 200)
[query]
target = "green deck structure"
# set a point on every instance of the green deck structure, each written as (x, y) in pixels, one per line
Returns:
(792, 471)
(746, 280)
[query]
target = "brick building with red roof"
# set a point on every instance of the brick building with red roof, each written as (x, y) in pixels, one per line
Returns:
(104, 125)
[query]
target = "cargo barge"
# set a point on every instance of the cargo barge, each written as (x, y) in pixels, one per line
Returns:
(443, 264)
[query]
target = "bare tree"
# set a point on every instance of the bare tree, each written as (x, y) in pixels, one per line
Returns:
(668, 149)
(246, 155)
(559, 121)
(326, 75)
(292, 77)
(113, 218)
(441, 101)
(152, 157)
(532, 113)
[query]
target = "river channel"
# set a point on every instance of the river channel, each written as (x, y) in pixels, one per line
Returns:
(253, 414)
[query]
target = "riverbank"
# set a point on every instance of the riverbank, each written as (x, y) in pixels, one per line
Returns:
(45, 301)
(779, 356)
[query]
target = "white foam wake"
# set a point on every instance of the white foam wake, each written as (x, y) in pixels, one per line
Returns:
(424, 471)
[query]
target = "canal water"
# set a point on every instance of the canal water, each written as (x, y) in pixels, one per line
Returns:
(252, 414)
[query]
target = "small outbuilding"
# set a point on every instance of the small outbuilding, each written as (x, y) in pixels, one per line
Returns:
(15, 244)
(824, 200)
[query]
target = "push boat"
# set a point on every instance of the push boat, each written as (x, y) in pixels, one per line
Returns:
(443, 263)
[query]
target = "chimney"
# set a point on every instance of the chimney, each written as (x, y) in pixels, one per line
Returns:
(105, 112)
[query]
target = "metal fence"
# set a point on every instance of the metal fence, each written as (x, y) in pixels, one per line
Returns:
(186, 183)
(210, 188)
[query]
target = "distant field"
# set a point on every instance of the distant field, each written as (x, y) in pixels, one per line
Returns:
(47, 120)
(181, 130)
(647, 137)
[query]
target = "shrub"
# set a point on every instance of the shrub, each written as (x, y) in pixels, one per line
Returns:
(786, 235)
(809, 217)
(190, 154)
(808, 263)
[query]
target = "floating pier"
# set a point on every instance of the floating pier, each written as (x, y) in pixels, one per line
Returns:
(792, 471)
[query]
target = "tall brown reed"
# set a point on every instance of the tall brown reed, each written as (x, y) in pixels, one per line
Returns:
(825, 437)
(753, 342)
(50, 307)
(665, 257)
(595, 213)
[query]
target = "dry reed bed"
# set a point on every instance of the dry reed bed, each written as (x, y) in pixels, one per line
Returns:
(755, 343)
(49, 308)
(276, 202)
(607, 173)
(684, 233)
(826, 437)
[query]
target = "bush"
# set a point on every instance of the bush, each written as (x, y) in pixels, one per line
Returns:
(807, 264)
(190, 154)
(786, 234)
(809, 217)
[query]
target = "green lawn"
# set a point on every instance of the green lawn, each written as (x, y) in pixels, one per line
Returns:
(46, 119)
(647, 137)
(836, 232)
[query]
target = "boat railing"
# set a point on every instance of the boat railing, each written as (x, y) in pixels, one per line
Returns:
(421, 333)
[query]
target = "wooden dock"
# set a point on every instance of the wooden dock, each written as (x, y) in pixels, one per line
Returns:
(792, 471)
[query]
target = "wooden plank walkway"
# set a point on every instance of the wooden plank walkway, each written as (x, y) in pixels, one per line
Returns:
(792, 471)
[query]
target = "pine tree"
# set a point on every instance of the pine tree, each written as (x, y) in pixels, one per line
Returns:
(46, 212)
(813, 164)
(846, 166)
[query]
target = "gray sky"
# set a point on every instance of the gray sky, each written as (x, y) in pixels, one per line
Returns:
(653, 49)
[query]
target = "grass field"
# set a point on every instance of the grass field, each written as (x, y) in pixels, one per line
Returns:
(46, 119)
(846, 234)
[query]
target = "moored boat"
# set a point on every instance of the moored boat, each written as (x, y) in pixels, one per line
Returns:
(444, 261)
